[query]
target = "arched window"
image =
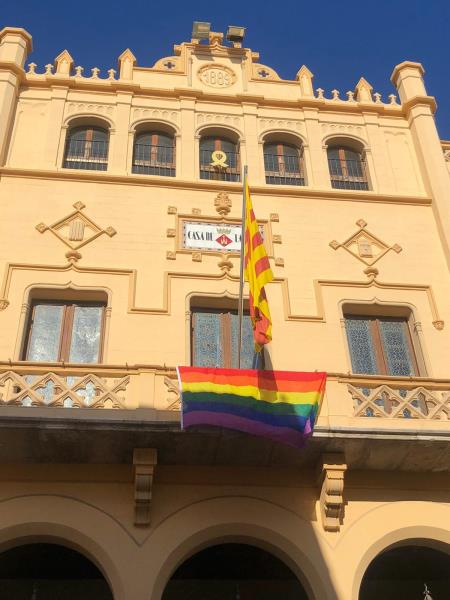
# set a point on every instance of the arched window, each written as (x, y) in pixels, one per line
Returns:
(87, 148)
(154, 153)
(347, 168)
(283, 164)
(219, 159)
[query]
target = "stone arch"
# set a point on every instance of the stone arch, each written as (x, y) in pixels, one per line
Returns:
(424, 556)
(353, 141)
(239, 519)
(67, 522)
(140, 125)
(80, 119)
(284, 135)
(233, 133)
(381, 527)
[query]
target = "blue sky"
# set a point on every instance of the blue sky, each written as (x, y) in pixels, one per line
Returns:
(338, 40)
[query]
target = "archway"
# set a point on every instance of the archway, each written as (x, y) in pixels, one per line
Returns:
(403, 571)
(41, 571)
(233, 571)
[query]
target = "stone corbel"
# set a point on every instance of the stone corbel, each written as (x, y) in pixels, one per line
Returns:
(144, 462)
(331, 479)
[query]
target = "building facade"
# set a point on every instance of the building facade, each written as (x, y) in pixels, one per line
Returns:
(121, 200)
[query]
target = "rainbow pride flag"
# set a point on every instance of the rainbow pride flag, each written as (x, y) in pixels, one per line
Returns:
(281, 405)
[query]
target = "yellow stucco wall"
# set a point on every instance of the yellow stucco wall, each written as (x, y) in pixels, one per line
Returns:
(149, 280)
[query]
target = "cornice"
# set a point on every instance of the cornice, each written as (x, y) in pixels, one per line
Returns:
(114, 86)
(429, 101)
(12, 66)
(214, 186)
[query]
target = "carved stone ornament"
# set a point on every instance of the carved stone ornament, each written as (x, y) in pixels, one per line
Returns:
(3, 303)
(76, 230)
(365, 246)
(223, 204)
(144, 462)
(331, 479)
(216, 76)
(173, 399)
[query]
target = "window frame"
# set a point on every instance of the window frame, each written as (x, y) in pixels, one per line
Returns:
(153, 161)
(348, 180)
(416, 358)
(225, 330)
(231, 173)
(89, 130)
(281, 156)
(66, 331)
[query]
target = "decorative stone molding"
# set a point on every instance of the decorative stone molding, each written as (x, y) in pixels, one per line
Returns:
(3, 303)
(365, 246)
(76, 230)
(126, 61)
(171, 210)
(89, 391)
(386, 402)
(276, 239)
(171, 233)
(439, 325)
(216, 75)
(363, 91)
(197, 257)
(342, 128)
(91, 108)
(144, 462)
(264, 73)
(286, 124)
(274, 217)
(225, 264)
(279, 262)
(173, 399)
(196, 211)
(218, 119)
(331, 479)
(305, 77)
(170, 255)
(223, 204)
(155, 114)
(63, 63)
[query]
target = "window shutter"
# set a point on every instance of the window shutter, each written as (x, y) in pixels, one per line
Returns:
(86, 334)
(247, 348)
(45, 335)
(361, 345)
(207, 343)
(394, 337)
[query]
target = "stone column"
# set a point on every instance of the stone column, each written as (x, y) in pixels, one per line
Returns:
(15, 45)
(419, 107)
(316, 164)
(189, 163)
(119, 137)
(253, 151)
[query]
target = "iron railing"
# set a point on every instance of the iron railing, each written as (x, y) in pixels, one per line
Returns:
(284, 170)
(85, 154)
(230, 172)
(348, 174)
(149, 159)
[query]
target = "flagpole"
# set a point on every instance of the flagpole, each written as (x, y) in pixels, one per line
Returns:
(241, 272)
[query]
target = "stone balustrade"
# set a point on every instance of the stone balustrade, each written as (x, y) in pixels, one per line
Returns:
(351, 402)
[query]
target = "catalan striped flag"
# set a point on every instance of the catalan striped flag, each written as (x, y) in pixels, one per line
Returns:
(281, 405)
(257, 272)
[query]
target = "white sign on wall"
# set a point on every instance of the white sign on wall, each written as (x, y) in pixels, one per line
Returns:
(218, 237)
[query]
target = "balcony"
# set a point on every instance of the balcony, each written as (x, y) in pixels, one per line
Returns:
(154, 160)
(348, 174)
(86, 154)
(284, 170)
(103, 411)
(230, 171)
